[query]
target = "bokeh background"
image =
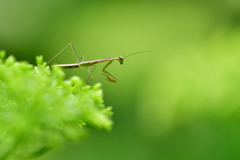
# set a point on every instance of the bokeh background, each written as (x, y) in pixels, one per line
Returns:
(180, 101)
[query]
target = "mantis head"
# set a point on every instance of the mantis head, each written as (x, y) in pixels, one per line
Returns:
(121, 59)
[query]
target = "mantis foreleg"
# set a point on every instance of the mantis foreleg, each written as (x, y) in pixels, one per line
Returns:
(110, 77)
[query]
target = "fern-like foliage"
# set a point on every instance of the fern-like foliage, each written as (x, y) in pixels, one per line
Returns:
(39, 110)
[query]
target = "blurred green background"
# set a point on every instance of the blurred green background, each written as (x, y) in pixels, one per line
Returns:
(180, 101)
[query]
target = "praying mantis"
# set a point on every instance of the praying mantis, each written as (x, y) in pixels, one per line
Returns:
(92, 63)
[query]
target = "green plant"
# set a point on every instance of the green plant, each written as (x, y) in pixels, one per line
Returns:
(39, 110)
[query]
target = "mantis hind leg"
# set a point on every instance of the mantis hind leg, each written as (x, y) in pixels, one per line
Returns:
(75, 55)
(82, 59)
(74, 52)
(110, 77)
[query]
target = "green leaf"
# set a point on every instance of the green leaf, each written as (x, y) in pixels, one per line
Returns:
(39, 110)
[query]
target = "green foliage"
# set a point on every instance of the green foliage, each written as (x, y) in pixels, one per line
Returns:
(39, 110)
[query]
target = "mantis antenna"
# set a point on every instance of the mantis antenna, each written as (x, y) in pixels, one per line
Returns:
(136, 53)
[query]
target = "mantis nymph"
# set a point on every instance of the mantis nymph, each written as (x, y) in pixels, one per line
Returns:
(92, 63)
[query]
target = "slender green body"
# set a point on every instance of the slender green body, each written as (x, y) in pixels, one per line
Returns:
(88, 63)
